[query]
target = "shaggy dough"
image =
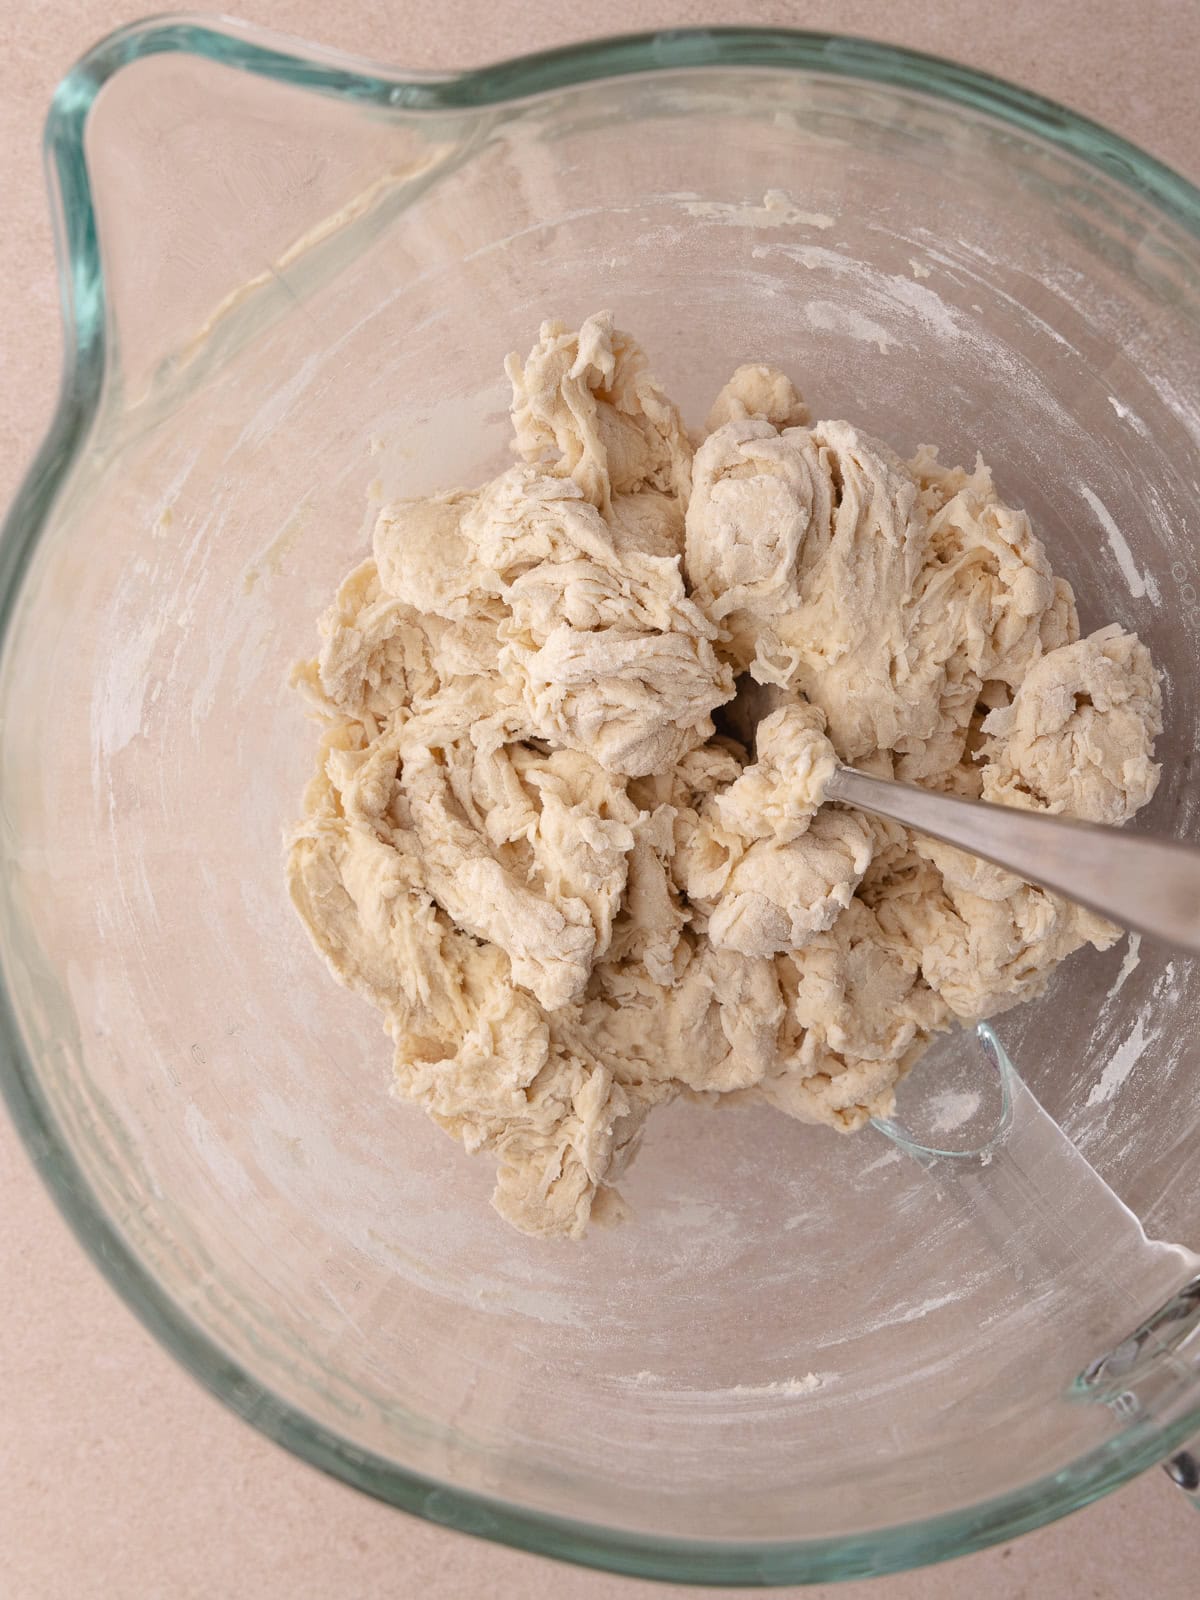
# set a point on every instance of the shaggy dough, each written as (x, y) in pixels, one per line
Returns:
(570, 897)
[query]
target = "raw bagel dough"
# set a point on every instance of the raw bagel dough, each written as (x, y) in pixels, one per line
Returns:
(570, 897)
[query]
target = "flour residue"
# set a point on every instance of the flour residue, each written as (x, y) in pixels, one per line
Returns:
(885, 294)
(1164, 984)
(952, 1109)
(781, 1388)
(889, 1158)
(916, 1312)
(1140, 583)
(1125, 1058)
(1126, 415)
(808, 1384)
(1132, 959)
(845, 323)
(776, 211)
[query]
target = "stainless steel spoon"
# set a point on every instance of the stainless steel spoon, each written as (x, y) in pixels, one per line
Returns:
(1150, 885)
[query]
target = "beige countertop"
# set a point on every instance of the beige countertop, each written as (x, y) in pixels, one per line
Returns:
(119, 1477)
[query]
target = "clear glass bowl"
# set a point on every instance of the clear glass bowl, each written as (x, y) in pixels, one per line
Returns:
(289, 280)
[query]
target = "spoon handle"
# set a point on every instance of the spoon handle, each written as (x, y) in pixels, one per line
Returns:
(1151, 885)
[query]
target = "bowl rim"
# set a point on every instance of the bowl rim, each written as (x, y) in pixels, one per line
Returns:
(504, 84)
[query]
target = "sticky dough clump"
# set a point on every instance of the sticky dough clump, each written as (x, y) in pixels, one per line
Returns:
(570, 896)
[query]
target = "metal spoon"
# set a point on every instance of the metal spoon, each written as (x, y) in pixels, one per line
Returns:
(1150, 885)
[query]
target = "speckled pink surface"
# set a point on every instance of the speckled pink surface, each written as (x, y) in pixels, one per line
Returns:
(118, 1476)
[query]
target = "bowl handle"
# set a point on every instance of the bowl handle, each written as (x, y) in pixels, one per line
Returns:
(1058, 1227)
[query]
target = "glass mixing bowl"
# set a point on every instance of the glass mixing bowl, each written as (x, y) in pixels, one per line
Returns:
(289, 281)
